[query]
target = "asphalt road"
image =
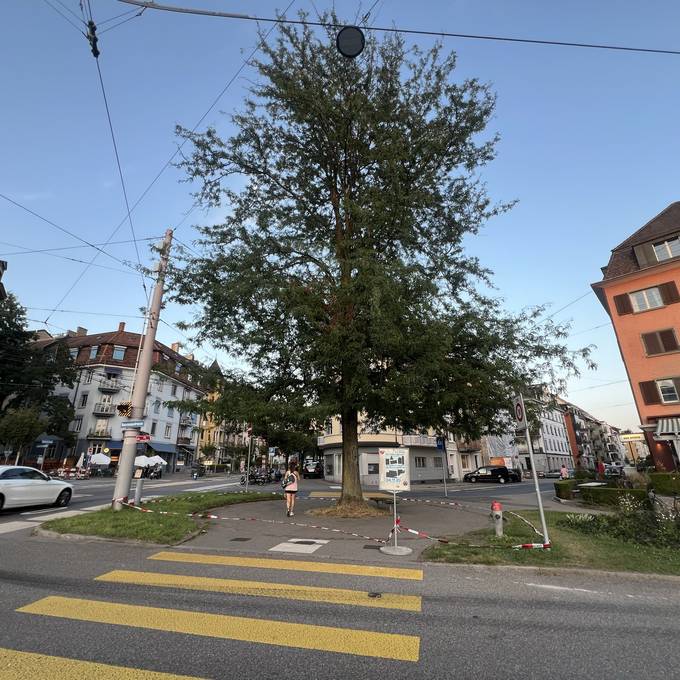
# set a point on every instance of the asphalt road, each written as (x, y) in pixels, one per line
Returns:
(185, 614)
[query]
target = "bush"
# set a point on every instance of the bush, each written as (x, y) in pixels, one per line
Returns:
(635, 521)
(584, 474)
(565, 488)
(603, 495)
(666, 483)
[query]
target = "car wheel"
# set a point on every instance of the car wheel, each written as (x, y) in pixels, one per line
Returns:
(63, 499)
(501, 480)
(473, 479)
(2, 501)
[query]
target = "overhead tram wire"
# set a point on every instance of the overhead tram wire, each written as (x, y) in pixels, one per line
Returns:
(63, 16)
(31, 251)
(393, 29)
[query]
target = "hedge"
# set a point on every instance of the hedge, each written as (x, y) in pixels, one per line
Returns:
(565, 488)
(602, 495)
(665, 482)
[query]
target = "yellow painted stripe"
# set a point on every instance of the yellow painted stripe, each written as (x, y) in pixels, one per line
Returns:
(280, 633)
(23, 665)
(291, 565)
(357, 598)
(336, 494)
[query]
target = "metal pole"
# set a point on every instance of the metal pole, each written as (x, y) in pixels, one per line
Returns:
(250, 447)
(446, 468)
(546, 538)
(139, 488)
(141, 384)
(396, 529)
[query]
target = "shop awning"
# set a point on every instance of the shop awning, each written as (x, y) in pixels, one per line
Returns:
(162, 448)
(115, 444)
(113, 370)
(667, 426)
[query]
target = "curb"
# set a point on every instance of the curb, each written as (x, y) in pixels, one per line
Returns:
(559, 571)
(46, 533)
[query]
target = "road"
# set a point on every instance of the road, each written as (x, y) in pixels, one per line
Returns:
(85, 609)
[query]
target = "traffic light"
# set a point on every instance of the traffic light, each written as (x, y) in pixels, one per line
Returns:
(124, 409)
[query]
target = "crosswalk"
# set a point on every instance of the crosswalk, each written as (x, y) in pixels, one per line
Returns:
(230, 576)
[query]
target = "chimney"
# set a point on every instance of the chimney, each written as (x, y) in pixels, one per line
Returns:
(121, 327)
(81, 331)
(175, 346)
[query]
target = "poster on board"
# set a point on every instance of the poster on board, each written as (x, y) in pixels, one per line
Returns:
(393, 469)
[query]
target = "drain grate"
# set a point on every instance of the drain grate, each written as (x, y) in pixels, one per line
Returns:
(300, 542)
(240, 538)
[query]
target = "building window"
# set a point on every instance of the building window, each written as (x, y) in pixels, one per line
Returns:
(187, 395)
(77, 424)
(373, 469)
(649, 298)
(438, 462)
(178, 368)
(83, 400)
(88, 377)
(93, 351)
(73, 353)
(153, 427)
(465, 461)
(168, 431)
(660, 342)
(667, 390)
(173, 391)
(665, 250)
(118, 353)
(420, 462)
(157, 406)
(328, 427)
(161, 385)
(171, 412)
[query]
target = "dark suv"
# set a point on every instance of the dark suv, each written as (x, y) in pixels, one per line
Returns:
(492, 473)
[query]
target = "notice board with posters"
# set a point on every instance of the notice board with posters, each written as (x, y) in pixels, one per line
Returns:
(394, 470)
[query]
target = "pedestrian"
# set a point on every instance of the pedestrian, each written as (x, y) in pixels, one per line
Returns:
(600, 469)
(564, 473)
(290, 488)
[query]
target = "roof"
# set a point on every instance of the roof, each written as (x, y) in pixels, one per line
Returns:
(623, 261)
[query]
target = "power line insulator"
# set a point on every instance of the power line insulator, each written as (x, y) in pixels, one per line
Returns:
(92, 38)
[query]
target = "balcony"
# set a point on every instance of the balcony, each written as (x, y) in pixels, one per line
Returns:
(184, 441)
(113, 385)
(418, 440)
(185, 420)
(99, 434)
(103, 409)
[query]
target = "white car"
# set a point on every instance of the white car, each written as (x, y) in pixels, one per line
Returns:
(21, 486)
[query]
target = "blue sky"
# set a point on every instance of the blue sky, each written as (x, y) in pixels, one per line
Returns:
(589, 146)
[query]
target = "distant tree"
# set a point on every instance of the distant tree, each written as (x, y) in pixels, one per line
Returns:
(19, 429)
(338, 272)
(28, 374)
(60, 413)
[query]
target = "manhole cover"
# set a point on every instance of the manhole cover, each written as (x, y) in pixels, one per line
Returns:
(305, 542)
(240, 538)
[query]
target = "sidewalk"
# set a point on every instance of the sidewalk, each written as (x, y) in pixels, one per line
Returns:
(252, 535)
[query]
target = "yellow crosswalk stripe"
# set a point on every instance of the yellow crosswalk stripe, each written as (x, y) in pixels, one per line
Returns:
(16, 665)
(280, 633)
(356, 598)
(290, 565)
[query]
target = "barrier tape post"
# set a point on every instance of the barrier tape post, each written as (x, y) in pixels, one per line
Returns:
(395, 549)
(497, 514)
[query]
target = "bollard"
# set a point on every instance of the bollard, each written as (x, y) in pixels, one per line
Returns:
(497, 514)
(138, 491)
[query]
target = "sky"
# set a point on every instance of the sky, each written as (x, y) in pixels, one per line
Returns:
(589, 148)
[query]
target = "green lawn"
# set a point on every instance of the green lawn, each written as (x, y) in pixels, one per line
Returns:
(152, 527)
(570, 549)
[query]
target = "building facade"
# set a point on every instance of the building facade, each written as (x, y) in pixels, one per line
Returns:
(639, 291)
(106, 368)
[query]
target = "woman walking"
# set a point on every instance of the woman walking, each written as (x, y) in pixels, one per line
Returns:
(290, 488)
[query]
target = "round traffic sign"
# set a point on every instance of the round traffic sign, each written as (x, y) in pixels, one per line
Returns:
(519, 412)
(350, 41)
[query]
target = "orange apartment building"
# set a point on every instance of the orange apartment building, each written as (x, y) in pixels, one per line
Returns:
(639, 290)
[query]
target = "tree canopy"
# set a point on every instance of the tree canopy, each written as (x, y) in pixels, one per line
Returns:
(338, 271)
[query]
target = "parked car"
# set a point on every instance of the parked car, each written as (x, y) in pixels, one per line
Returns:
(22, 486)
(312, 468)
(492, 473)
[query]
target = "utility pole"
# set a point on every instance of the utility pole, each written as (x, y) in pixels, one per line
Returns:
(141, 385)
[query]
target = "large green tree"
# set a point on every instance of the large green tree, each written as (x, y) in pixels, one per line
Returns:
(28, 372)
(19, 428)
(338, 272)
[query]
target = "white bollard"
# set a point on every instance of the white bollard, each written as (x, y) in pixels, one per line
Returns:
(497, 514)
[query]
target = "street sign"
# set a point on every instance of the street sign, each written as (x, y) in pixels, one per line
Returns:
(45, 441)
(39, 460)
(143, 437)
(393, 470)
(132, 424)
(441, 443)
(520, 413)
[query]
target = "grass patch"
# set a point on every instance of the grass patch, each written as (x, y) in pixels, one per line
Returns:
(350, 511)
(571, 549)
(152, 527)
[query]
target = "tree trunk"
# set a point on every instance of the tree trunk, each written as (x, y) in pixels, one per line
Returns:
(351, 482)
(16, 461)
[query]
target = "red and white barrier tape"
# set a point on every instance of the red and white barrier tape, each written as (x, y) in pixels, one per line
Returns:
(526, 521)
(207, 515)
(532, 546)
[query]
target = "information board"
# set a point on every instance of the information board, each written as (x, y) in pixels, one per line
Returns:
(394, 470)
